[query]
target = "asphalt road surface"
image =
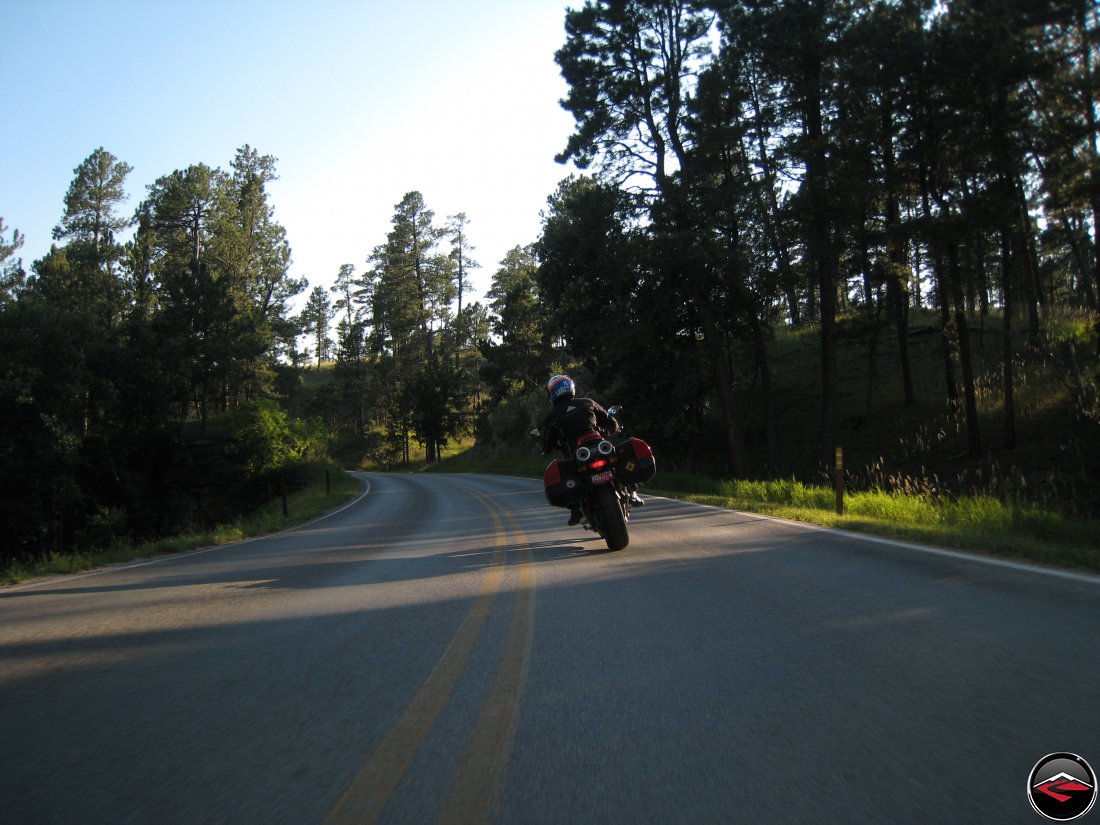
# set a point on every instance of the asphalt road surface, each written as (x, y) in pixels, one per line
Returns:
(446, 650)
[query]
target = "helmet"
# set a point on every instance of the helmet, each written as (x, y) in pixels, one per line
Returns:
(559, 387)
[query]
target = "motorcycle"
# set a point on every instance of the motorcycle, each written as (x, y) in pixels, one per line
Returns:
(600, 477)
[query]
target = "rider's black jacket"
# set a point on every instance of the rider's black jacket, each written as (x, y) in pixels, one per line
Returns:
(570, 419)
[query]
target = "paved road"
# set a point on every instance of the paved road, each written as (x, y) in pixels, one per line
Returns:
(447, 650)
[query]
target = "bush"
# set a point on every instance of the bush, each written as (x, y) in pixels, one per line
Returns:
(510, 422)
(259, 438)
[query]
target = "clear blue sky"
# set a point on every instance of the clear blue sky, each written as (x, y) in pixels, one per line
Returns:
(360, 101)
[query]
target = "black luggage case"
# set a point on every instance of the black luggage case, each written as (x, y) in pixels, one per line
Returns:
(637, 464)
(561, 483)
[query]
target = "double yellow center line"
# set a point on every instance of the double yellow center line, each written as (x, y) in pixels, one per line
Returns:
(480, 773)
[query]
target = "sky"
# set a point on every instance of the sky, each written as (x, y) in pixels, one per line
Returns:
(360, 102)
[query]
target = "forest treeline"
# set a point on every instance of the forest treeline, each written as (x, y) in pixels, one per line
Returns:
(835, 162)
(138, 393)
(823, 170)
(762, 180)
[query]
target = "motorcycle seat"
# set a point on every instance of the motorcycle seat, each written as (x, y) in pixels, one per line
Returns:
(587, 437)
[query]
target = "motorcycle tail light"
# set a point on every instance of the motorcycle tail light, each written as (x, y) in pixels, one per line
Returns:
(605, 448)
(583, 454)
(595, 465)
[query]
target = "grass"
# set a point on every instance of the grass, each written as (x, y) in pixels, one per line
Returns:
(977, 523)
(306, 504)
(1053, 459)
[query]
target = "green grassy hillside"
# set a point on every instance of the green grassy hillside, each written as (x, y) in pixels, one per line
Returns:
(922, 447)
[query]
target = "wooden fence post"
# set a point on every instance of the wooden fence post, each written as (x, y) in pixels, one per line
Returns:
(840, 481)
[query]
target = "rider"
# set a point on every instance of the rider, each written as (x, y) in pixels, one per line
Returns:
(569, 420)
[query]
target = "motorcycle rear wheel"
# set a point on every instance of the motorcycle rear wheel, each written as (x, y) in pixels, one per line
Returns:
(612, 521)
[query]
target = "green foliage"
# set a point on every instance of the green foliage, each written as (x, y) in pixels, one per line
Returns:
(260, 438)
(97, 189)
(436, 397)
(587, 274)
(414, 286)
(521, 350)
(824, 159)
(136, 396)
(405, 352)
(804, 226)
(311, 500)
(1070, 326)
(315, 321)
(44, 387)
(979, 523)
(975, 523)
(508, 424)
(12, 275)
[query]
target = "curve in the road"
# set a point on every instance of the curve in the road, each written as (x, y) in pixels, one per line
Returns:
(482, 766)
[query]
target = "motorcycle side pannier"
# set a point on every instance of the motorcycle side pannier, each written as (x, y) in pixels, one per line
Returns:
(561, 483)
(637, 464)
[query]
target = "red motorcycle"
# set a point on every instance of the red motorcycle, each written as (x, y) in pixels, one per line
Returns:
(601, 478)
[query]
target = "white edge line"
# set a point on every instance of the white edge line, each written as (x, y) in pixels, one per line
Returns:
(957, 555)
(1006, 564)
(64, 579)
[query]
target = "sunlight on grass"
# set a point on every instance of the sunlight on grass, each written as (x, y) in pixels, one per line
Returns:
(976, 523)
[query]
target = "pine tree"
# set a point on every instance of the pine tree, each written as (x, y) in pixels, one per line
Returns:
(12, 275)
(88, 226)
(412, 291)
(97, 189)
(316, 320)
(521, 355)
(632, 67)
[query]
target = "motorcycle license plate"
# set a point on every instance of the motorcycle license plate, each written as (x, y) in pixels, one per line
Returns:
(602, 478)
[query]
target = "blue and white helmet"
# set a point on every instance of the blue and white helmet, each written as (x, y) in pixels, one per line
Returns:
(559, 387)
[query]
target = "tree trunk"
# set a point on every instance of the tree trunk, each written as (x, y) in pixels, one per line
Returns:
(1089, 105)
(824, 261)
(944, 305)
(942, 276)
(897, 299)
(827, 280)
(1006, 345)
(982, 279)
(1029, 260)
(1080, 258)
(723, 385)
(768, 205)
(899, 307)
(962, 329)
(760, 345)
(897, 287)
